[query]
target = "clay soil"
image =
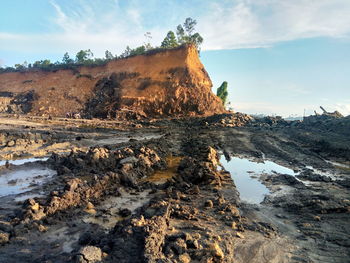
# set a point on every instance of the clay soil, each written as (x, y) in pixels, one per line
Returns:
(153, 191)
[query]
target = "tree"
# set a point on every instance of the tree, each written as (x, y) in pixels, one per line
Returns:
(43, 64)
(84, 56)
(138, 51)
(222, 92)
(180, 32)
(185, 33)
(189, 25)
(126, 52)
(169, 41)
(66, 59)
(147, 44)
(19, 67)
(108, 55)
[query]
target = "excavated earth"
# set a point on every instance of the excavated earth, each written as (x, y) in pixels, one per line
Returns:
(160, 83)
(158, 190)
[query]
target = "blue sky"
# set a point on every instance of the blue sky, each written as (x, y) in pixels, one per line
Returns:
(278, 56)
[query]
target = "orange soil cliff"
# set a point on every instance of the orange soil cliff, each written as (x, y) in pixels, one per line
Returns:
(165, 83)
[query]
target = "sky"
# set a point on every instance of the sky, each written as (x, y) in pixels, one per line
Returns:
(279, 57)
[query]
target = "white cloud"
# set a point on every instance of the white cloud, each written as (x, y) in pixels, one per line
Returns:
(226, 24)
(248, 23)
(343, 108)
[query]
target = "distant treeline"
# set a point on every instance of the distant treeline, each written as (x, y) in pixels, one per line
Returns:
(185, 34)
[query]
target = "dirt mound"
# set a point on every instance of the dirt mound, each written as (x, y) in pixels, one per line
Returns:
(165, 83)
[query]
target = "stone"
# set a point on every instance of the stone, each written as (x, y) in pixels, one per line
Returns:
(239, 235)
(209, 204)
(216, 251)
(42, 228)
(11, 143)
(179, 246)
(89, 254)
(5, 226)
(185, 258)
(125, 212)
(35, 207)
(90, 206)
(131, 159)
(4, 237)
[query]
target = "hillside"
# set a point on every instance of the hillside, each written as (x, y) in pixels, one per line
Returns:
(164, 83)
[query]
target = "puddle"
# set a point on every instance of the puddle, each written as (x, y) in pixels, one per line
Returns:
(22, 161)
(244, 173)
(22, 179)
(108, 211)
(64, 237)
(161, 176)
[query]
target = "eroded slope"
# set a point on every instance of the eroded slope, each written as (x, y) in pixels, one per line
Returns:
(164, 83)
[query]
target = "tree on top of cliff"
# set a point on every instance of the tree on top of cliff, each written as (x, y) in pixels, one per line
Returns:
(84, 56)
(108, 55)
(66, 59)
(185, 33)
(169, 41)
(222, 92)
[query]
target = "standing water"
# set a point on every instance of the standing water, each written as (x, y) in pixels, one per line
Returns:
(250, 188)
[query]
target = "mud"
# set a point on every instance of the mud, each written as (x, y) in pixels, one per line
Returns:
(168, 190)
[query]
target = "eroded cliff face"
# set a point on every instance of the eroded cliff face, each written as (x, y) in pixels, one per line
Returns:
(165, 83)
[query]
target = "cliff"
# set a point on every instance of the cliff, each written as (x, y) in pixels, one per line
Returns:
(164, 83)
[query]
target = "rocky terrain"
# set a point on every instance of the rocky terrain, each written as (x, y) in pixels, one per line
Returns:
(160, 83)
(153, 169)
(159, 190)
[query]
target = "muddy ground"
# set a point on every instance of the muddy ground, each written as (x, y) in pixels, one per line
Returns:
(155, 190)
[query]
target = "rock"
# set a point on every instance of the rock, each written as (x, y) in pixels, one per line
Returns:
(234, 225)
(240, 235)
(11, 143)
(317, 218)
(90, 206)
(5, 226)
(216, 251)
(196, 236)
(131, 159)
(125, 212)
(89, 254)
(4, 237)
(185, 258)
(72, 184)
(42, 228)
(35, 207)
(179, 246)
(209, 204)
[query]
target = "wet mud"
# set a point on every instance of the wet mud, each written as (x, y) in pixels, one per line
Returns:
(218, 189)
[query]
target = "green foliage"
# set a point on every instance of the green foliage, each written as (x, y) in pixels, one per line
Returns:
(169, 41)
(108, 55)
(126, 52)
(185, 33)
(222, 92)
(84, 57)
(138, 51)
(66, 59)
(42, 64)
(19, 67)
(133, 52)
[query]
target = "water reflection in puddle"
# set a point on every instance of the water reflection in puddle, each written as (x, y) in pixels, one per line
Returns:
(22, 179)
(242, 170)
(112, 205)
(22, 161)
